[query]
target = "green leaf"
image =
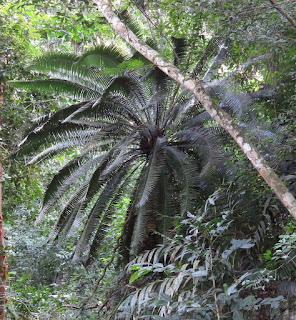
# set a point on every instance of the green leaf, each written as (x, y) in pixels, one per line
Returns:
(140, 273)
(135, 267)
(267, 255)
(238, 315)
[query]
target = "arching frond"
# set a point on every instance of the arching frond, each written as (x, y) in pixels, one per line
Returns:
(68, 214)
(48, 124)
(106, 197)
(154, 168)
(102, 57)
(187, 177)
(66, 140)
(70, 71)
(76, 90)
(64, 179)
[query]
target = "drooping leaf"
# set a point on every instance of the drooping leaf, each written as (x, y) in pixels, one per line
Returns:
(154, 165)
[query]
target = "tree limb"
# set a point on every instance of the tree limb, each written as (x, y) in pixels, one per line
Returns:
(219, 115)
(283, 13)
(216, 62)
(249, 62)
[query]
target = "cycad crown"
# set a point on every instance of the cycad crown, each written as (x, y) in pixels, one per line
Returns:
(137, 135)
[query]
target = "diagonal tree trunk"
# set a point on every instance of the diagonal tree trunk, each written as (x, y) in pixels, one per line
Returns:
(219, 115)
(283, 13)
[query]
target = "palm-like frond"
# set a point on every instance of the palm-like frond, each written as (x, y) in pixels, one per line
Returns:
(62, 87)
(65, 178)
(156, 161)
(105, 199)
(102, 57)
(130, 125)
(68, 213)
(185, 172)
(61, 141)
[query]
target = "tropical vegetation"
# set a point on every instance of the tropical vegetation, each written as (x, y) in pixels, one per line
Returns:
(144, 207)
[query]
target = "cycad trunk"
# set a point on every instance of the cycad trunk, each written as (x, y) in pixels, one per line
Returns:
(219, 115)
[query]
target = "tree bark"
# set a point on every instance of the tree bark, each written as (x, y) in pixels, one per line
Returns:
(3, 258)
(283, 13)
(219, 115)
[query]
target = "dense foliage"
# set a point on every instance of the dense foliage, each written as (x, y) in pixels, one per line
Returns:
(142, 162)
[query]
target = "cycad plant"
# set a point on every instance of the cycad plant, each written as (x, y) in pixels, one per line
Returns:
(136, 134)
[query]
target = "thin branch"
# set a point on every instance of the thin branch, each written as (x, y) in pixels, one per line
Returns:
(283, 13)
(216, 62)
(215, 291)
(23, 303)
(70, 306)
(249, 62)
